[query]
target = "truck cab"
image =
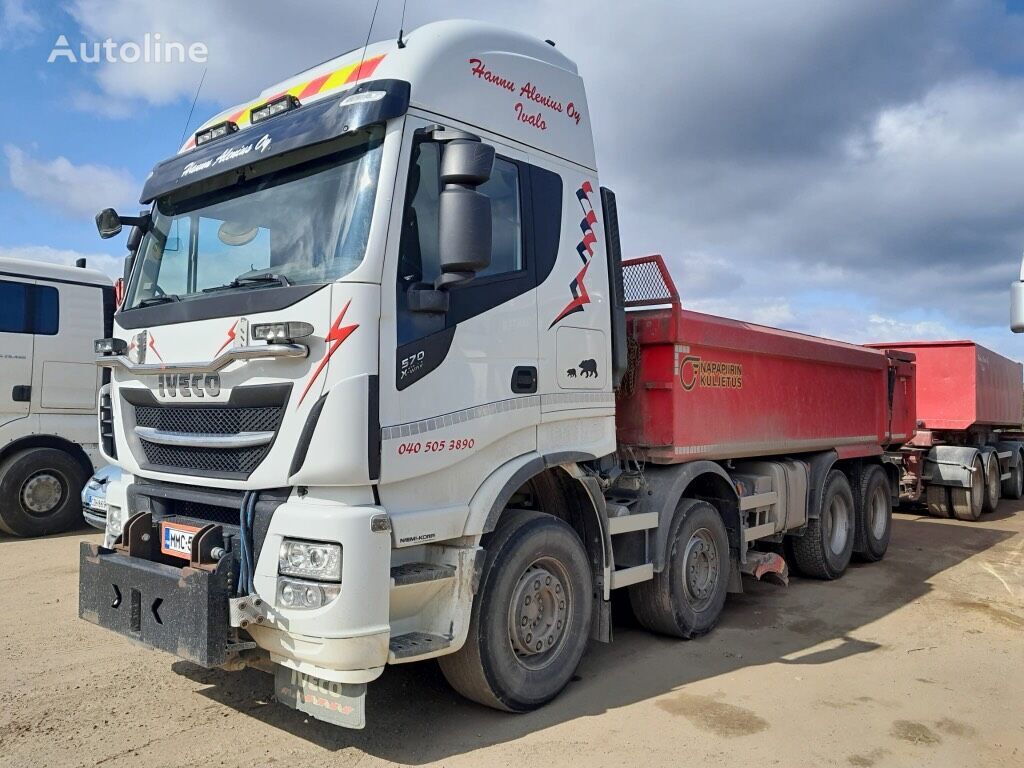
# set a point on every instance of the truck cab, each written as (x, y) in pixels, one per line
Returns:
(49, 315)
(367, 309)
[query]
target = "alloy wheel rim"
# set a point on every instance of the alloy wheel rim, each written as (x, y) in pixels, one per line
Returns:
(837, 521)
(877, 518)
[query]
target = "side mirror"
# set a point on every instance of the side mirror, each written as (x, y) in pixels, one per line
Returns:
(108, 223)
(464, 214)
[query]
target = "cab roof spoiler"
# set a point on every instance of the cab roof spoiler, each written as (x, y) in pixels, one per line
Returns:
(371, 102)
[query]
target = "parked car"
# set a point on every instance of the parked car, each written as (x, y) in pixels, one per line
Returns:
(94, 496)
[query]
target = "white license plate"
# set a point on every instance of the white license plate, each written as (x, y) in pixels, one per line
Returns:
(176, 539)
(98, 503)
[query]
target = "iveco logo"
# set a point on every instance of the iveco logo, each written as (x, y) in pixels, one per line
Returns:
(188, 385)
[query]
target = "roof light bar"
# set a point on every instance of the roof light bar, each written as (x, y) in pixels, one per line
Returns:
(274, 107)
(217, 131)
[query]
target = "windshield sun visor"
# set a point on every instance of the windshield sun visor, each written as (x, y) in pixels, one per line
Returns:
(308, 125)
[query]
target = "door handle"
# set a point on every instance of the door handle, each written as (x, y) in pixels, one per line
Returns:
(22, 393)
(524, 379)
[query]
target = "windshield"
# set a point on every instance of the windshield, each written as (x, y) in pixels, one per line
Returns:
(304, 224)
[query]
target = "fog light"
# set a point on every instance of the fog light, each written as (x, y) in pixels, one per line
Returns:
(271, 108)
(304, 595)
(271, 332)
(310, 559)
(110, 346)
(215, 132)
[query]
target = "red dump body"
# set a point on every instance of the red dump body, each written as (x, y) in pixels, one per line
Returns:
(961, 384)
(709, 387)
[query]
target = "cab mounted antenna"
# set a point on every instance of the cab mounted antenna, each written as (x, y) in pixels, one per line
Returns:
(366, 44)
(401, 26)
(192, 109)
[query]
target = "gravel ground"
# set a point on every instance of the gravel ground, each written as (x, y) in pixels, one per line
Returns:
(916, 660)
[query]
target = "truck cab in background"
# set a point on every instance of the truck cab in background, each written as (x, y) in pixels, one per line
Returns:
(49, 316)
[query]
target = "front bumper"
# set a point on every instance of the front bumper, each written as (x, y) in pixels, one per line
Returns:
(94, 517)
(183, 611)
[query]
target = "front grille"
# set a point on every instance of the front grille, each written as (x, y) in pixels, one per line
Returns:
(211, 513)
(106, 416)
(216, 461)
(214, 421)
(258, 409)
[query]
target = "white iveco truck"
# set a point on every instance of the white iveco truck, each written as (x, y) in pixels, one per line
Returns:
(363, 394)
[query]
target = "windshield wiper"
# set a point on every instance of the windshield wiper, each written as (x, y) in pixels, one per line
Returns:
(243, 281)
(161, 299)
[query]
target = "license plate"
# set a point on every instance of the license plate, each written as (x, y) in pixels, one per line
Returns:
(176, 539)
(98, 503)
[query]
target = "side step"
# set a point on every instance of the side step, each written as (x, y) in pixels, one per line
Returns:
(417, 573)
(417, 644)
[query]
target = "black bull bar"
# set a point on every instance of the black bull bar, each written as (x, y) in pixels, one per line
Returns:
(181, 610)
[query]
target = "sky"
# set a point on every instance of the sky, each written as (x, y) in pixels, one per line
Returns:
(847, 169)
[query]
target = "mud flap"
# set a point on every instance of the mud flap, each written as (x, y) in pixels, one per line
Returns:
(341, 704)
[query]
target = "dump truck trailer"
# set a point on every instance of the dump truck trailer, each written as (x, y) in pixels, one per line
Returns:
(967, 451)
(382, 390)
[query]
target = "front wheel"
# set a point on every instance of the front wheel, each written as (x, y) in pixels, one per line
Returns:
(530, 622)
(686, 599)
(40, 492)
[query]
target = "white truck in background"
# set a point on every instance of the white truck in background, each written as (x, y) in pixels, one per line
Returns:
(49, 316)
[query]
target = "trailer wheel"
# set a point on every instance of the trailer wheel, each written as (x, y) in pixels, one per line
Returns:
(40, 492)
(1013, 486)
(824, 551)
(938, 501)
(531, 617)
(992, 484)
(686, 599)
(874, 516)
(967, 503)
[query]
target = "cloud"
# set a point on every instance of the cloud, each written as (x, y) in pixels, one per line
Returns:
(18, 24)
(76, 190)
(111, 265)
(873, 149)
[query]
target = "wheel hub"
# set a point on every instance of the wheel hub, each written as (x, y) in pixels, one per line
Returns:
(538, 614)
(42, 493)
(837, 524)
(876, 512)
(701, 565)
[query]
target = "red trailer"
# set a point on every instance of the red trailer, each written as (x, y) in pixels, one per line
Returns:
(806, 430)
(965, 454)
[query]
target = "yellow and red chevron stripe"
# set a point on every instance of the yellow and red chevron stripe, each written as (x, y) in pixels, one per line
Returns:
(342, 76)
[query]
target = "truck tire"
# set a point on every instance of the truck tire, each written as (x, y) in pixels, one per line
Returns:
(1013, 486)
(41, 492)
(938, 501)
(874, 515)
(993, 484)
(824, 551)
(530, 622)
(967, 503)
(686, 599)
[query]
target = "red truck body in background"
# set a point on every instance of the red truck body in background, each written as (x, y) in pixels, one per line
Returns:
(961, 384)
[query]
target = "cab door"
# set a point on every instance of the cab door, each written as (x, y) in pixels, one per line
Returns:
(460, 382)
(16, 347)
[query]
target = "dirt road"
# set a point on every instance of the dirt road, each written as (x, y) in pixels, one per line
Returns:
(916, 660)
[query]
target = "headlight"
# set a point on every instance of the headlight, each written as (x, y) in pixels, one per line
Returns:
(294, 593)
(310, 559)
